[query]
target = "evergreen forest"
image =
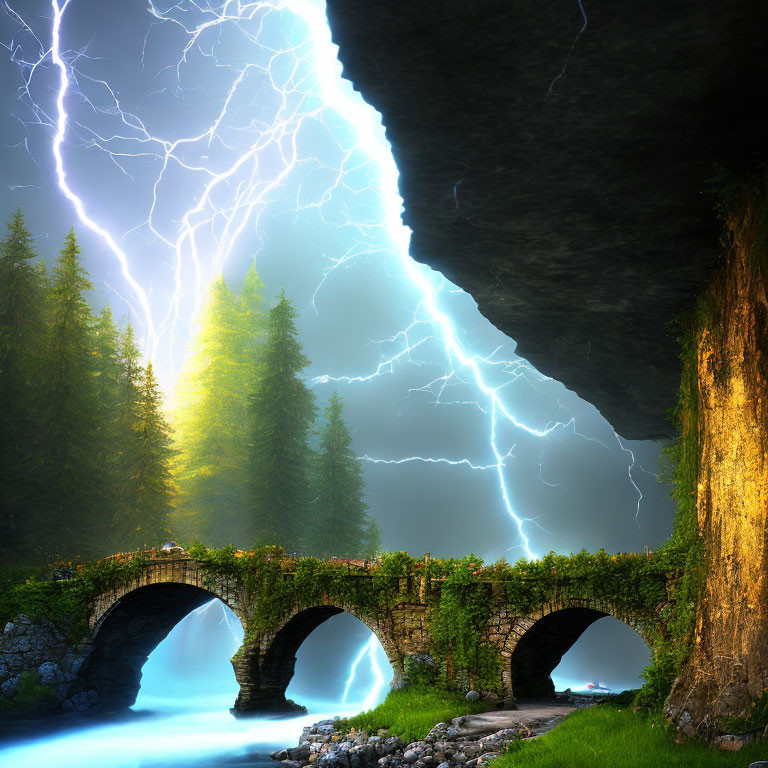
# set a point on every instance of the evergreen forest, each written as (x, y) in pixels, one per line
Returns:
(93, 461)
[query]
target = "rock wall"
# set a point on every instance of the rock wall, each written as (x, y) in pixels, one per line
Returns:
(728, 669)
(560, 181)
(41, 651)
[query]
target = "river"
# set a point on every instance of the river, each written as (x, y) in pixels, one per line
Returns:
(181, 716)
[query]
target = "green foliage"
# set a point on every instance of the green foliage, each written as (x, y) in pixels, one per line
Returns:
(340, 525)
(65, 602)
(680, 467)
(31, 695)
(282, 411)
(77, 460)
(421, 672)
(412, 712)
(458, 622)
(148, 463)
(607, 736)
(755, 720)
(23, 296)
(462, 594)
(212, 416)
(274, 582)
(69, 470)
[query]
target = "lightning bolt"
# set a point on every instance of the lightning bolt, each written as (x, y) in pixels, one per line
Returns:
(234, 166)
(369, 650)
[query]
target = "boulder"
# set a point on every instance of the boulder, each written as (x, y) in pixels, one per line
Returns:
(11, 686)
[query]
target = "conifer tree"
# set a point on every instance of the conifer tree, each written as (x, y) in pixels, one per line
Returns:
(341, 525)
(282, 412)
(107, 391)
(22, 335)
(69, 468)
(130, 380)
(212, 416)
(143, 521)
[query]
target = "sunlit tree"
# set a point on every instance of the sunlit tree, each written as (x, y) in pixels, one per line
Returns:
(282, 413)
(211, 418)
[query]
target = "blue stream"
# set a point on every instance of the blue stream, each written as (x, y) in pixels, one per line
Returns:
(181, 716)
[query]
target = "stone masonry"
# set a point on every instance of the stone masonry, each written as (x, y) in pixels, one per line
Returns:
(129, 622)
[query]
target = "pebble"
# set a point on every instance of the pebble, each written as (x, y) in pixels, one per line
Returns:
(323, 747)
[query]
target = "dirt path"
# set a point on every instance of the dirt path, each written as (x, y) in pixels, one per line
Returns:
(538, 717)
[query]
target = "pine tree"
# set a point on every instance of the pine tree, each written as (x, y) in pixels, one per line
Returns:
(130, 381)
(22, 334)
(69, 470)
(341, 525)
(107, 393)
(282, 412)
(212, 416)
(144, 520)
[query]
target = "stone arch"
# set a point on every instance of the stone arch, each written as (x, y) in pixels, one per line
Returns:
(126, 629)
(538, 643)
(264, 672)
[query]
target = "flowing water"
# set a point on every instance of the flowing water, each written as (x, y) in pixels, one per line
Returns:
(181, 716)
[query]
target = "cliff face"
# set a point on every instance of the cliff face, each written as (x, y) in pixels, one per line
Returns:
(729, 664)
(559, 180)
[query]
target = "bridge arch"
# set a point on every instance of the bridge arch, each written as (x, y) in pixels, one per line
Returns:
(265, 671)
(126, 632)
(539, 642)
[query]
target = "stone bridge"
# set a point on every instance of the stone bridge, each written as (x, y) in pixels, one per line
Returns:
(129, 622)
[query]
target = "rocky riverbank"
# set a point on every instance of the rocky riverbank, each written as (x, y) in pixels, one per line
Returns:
(470, 741)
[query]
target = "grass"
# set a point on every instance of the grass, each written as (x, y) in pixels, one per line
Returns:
(411, 712)
(606, 736)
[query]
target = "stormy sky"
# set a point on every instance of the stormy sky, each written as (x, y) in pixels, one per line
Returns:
(200, 144)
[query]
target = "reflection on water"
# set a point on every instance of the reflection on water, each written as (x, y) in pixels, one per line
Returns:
(181, 716)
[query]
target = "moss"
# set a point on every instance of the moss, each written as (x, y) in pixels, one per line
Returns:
(755, 720)
(461, 593)
(30, 696)
(66, 602)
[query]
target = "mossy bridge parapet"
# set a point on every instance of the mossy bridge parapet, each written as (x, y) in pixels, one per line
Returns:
(528, 622)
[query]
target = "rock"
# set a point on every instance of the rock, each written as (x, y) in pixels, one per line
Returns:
(410, 756)
(759, 764)
(280, 754)
(49, 673)
(85, 701)
(472, 696)
(451, 731)
(444, 765)
(11, 686)
(732, 742)
(291, 763)
(8, 628)
(298, 753)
